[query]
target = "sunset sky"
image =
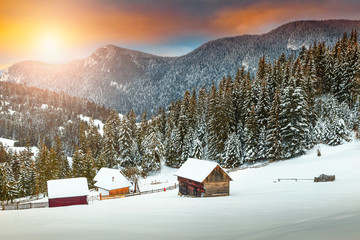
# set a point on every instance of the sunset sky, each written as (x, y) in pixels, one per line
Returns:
(63, 30)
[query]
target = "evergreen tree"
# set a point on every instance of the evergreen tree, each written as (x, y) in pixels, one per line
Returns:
(153, 153)
(78, 166)
(125, 144)
(64, 170)
(250, 138)
(233, 155)
(89, 168)
(294, 120)
(274, 140)
(27, 177)
(43, 168)
(109, 142)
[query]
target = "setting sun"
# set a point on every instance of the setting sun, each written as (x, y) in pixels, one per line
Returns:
(50, 47)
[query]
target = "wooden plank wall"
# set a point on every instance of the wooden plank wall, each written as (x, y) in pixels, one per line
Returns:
(214, 189)
(119, 191)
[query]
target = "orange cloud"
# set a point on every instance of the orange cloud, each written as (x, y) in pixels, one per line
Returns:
(264, 16)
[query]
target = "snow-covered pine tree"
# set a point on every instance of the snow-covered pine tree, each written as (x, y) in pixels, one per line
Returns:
(213, 123)
(262, 115)
(109, 143)
(274, 141)
(78, 166)
(153, 153)
(201, 127)
(83, 143)
(64, 167)
(232, 153)
(250, 137)
(173, 149)
(43, 168)
(294, 120)
(89, 168)
(94, 139)
(12, 185)
(197, 151)
(125, 144)
(27, 177)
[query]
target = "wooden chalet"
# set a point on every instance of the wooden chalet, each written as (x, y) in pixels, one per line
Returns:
(111, 182)
(201, 178)
(67, 192)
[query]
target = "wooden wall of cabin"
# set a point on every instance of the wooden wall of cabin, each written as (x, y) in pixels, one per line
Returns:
(214, 189)
(190, 187)
(119, 191)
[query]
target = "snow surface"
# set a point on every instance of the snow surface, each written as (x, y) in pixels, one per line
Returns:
(9, 144)
(110, 179)
(159, 181)
(196, 169)
(70, 187)
(96, 122)
(258, 207)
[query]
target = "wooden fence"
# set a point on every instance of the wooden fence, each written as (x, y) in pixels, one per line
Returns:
(295, 179)
(139, 193)
(28, 205)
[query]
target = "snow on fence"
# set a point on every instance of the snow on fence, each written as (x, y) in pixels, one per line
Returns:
(139, 193)
(19, 206)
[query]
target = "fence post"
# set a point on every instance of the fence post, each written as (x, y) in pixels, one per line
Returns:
(3, 206)
(17, 205)
(30, 204)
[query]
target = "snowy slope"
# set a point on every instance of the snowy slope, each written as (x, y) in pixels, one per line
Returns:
(258, 208)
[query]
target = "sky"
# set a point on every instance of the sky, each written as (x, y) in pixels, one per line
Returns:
(65, 30)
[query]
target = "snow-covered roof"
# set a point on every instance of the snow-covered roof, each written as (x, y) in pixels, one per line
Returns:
(196, 169)
(70, 187)
(110, 179)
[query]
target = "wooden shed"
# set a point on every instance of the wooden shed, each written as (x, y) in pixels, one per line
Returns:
(111, 182)
(67, 192)
(201, 178)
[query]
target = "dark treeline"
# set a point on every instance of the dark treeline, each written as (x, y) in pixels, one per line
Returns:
(290, 106)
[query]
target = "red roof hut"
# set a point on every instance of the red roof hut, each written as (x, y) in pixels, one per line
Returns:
(67, 192)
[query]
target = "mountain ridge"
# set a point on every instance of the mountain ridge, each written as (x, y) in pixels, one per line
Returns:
(125, 79)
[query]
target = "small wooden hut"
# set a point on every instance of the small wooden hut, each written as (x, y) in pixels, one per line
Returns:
(111, 182)
(67, 192)
(201, 178)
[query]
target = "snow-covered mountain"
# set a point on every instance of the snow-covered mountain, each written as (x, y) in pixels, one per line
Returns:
(124, 79)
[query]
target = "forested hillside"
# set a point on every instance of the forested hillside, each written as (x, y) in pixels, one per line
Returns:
(291, 105)
(31, 114)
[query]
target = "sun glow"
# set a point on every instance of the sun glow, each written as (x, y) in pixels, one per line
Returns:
(50, 48)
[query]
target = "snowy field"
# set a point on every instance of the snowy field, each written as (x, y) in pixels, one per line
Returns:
(258, 208)
(10, 144)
